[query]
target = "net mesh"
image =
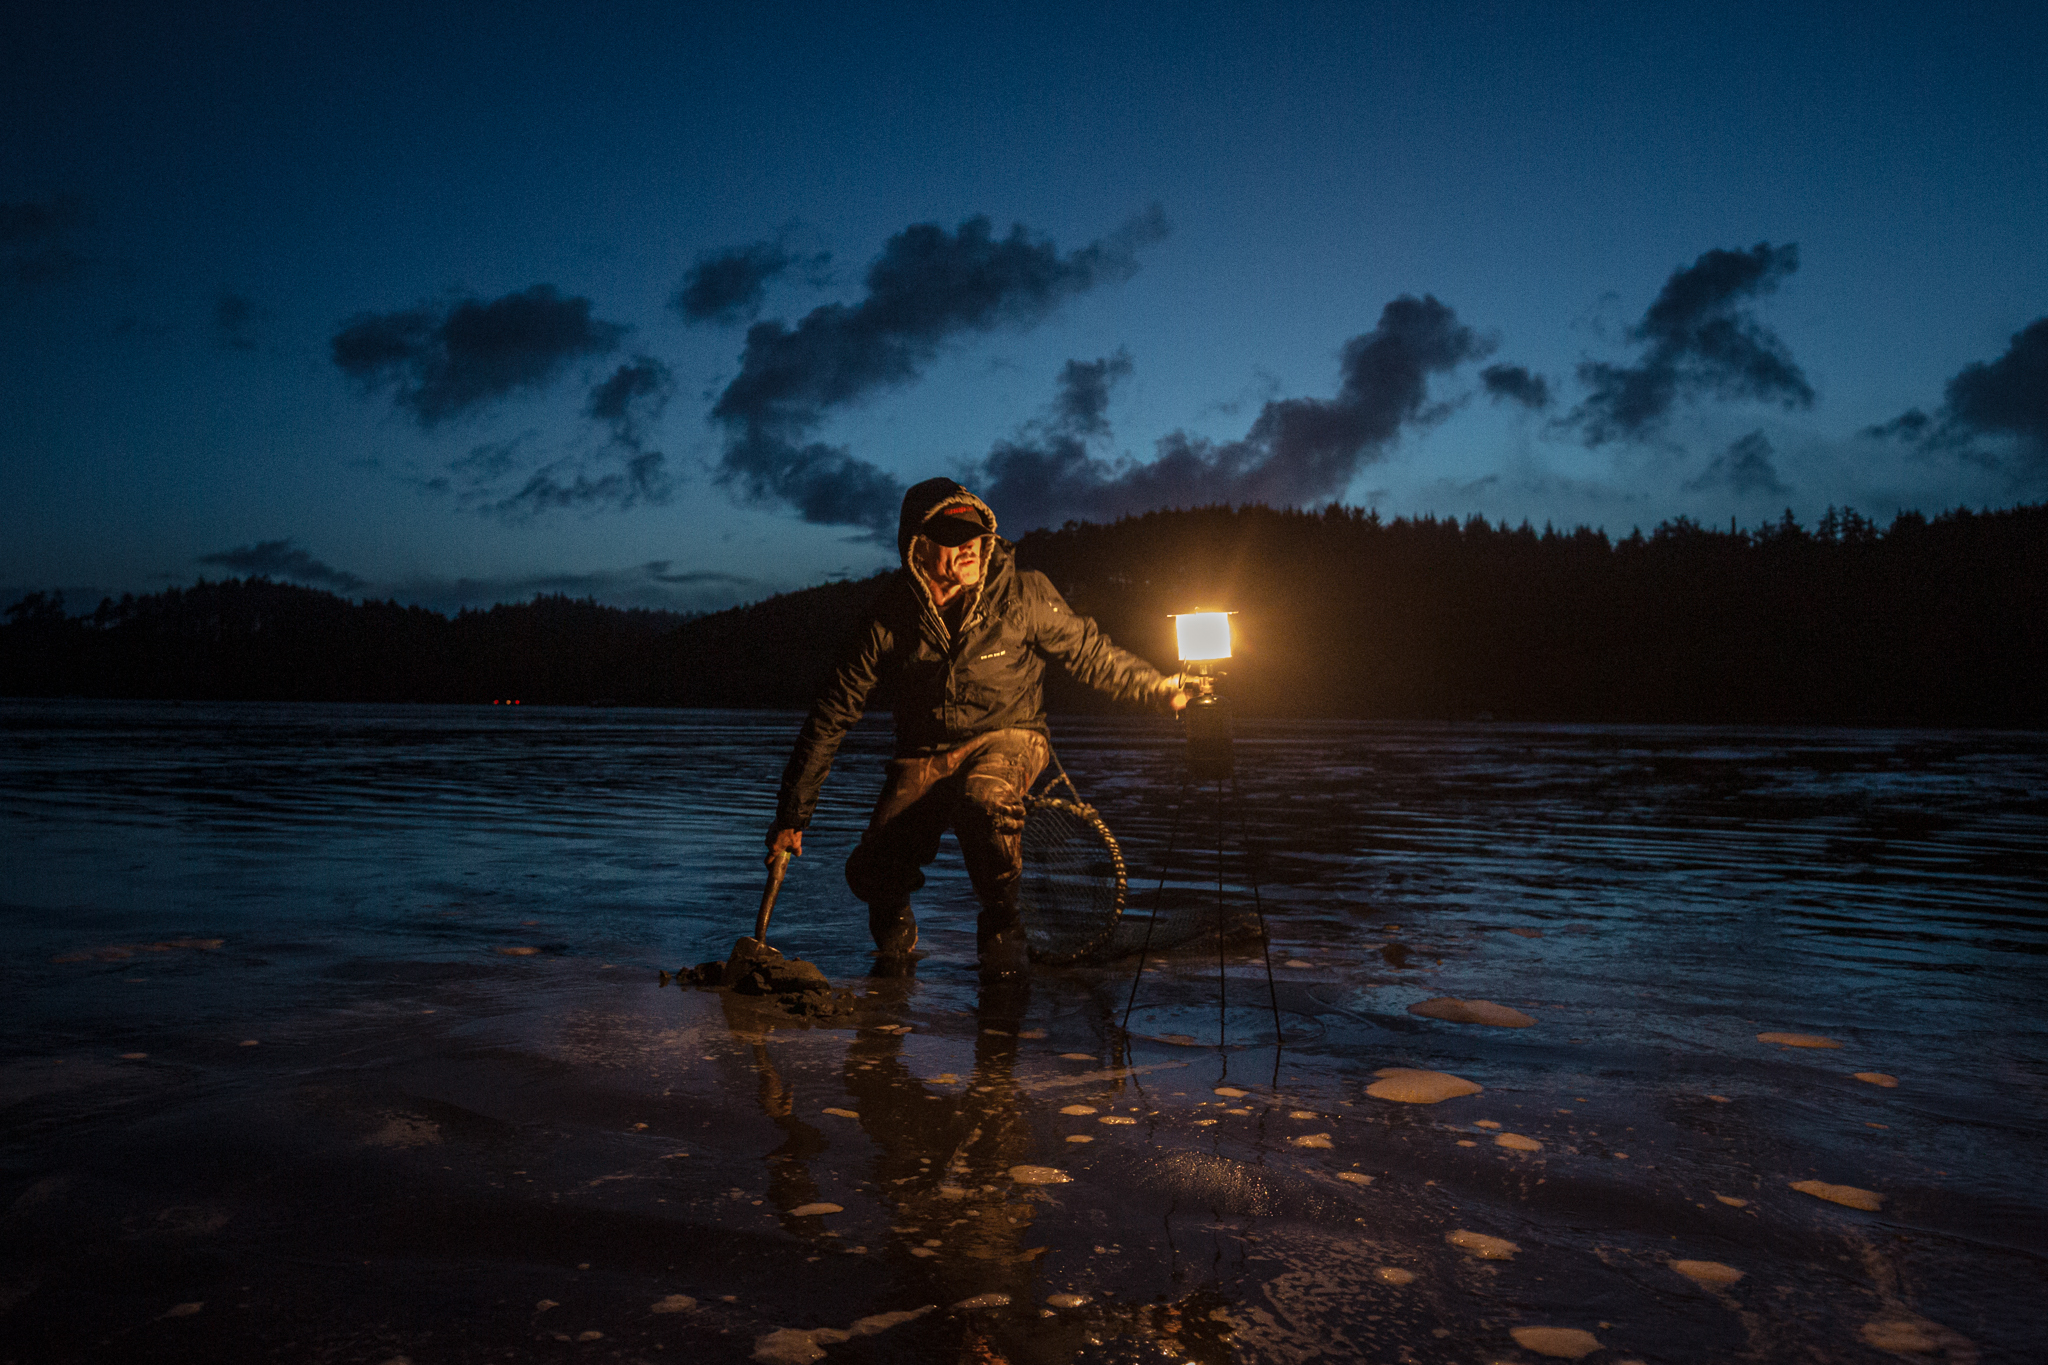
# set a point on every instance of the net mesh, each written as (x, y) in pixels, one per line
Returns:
(1072, 891)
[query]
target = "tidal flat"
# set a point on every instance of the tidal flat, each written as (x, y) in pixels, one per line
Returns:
(340, 1034)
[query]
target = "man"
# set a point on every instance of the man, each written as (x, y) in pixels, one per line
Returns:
(963, 634)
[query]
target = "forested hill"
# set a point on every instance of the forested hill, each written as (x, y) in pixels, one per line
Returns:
(1941, 621)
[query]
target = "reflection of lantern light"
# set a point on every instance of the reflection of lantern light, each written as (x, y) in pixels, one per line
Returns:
(1202, 635)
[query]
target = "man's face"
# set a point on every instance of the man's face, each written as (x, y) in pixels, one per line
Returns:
(950, 566)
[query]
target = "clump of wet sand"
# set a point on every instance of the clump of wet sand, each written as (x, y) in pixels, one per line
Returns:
(1797, 1040)
(1850, 1196)
(1484, 1247)
(1904, 1334)
(1515, 1142)
(1039, 1175)
(800, 1346)
(117, 952)
(1393, 1274)
(1713, 1274)
(1407, 1085)
(1471, 1012)
(1568, 1343)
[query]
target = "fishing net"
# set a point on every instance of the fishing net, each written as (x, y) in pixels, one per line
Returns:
(1072, 891)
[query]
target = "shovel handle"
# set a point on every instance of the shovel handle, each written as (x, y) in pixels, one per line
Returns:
(778, 863)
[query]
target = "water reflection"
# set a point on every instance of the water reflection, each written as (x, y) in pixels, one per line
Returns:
(424, 1092)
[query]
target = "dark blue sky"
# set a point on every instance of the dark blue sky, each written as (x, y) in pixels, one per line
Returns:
(453, 302)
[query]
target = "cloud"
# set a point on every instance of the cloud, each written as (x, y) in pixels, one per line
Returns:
(234, 315)
(568, 483)
(1297, 451)
(634, 395)
(1516, 384)
(927, 287)
(2009, 396)
(1910, 425)
(1745, 467)
(1699, 340)
(728, 285)
(627, 401)
(282, 559)
(444, 362)
(1082, 398)
(35, 242)
(2004, 399)
(656, 585)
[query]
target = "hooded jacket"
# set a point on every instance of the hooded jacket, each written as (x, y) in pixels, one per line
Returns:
(951, 686)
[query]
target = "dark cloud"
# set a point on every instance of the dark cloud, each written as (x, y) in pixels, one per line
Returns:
(1082, 400)
(2009, 396)
(1745, 467)
(1700, 340)
(726, 286)
(443, 362)
(1298, 450)
(234, 317)
(2003, 399)
(656, 585)
(36, 242)
(620, 472)
(625, 473)
(1516, 384)
(927, 287)
(633, 396)
(1910, 425)
(570, 484)
(658, 571)
(282, 559)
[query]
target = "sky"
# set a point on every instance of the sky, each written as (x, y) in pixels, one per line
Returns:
(666, 304)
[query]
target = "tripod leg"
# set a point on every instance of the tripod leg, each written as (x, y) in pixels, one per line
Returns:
(1173, 833)
(1244, 835)
(1222, 981)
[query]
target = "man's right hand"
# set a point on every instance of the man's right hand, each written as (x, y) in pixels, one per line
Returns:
(789, 841)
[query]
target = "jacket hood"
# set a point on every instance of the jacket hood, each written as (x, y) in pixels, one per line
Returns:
(931, 496)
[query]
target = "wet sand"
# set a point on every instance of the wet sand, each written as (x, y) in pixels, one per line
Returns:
(356, 1129)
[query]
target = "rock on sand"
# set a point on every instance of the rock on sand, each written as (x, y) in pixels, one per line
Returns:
(1867, 1200)
(1712, 1274)
(1875, 1078)
(1471, 1012)
(1410, 1086)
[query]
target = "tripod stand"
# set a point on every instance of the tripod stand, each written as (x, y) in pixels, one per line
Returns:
(1210, 759)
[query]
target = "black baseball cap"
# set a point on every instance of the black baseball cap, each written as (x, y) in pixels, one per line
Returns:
(951, 526)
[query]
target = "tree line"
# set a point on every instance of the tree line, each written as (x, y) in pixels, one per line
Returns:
(1339, 612)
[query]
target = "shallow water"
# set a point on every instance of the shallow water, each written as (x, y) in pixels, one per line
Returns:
(360, 1129)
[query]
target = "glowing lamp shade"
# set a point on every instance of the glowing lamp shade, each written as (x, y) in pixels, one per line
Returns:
(1202, 635)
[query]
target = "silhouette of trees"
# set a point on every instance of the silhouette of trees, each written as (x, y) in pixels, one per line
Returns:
(1938, 620)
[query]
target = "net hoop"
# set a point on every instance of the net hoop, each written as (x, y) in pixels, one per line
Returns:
(1103, 928)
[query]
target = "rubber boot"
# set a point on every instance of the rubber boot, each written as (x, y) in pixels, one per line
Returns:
(999, 933)
(894, 928)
